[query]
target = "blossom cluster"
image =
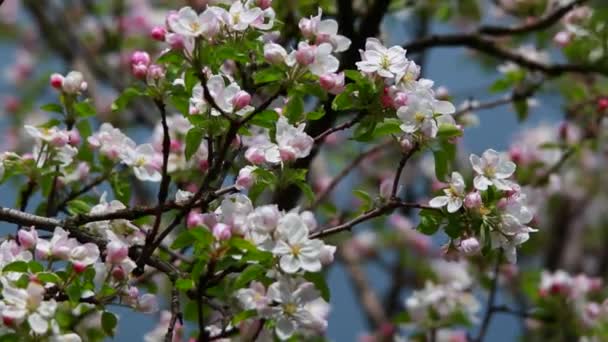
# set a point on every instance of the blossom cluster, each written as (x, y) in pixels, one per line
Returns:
(498, 204)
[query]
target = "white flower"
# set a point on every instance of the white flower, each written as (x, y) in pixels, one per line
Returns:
(262, 223)
(292, 141)
(225, 96)
(320, 61)
(144, 161)
(294, 312)
(234, 211)
(436, 303)
(274, 53)
(58, 247)
(492, 169)
(17, 304)
(378, 59)
(198, 104)
(295, 249)
(324, 31)
(512, 230)
(454, 194)
(238, 17)
(253, 297)
(418, 115)
(121, 229)
(189, 24)
(84, 255)
(111, 141)
(73, 83)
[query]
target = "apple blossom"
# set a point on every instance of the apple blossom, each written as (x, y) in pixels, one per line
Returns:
(293, 142)
(296, 251)
(274, 53)
(56, 81)
(378, 59)
(187, 23)
(73, 83)
(245, 178)
(158, 33)
(454, 194)
(144, 161)
(28, 237)
(229, 98)
(492, 169)
(293, 313)
(324, 31)
(332, 83)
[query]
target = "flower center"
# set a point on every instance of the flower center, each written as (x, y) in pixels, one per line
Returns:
(385, 62)
(419, 117)
(295, 250)
(290, 309)
(489, 171)
(141, 161)
(195, 26)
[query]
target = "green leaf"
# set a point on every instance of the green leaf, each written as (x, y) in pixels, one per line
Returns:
(430, 221)
(74, 291)
(121, 188)
(76, 207)
(267, 119)
(346, 99)
(203, 236)
(184, 284)
(171, 57)
(84, 109)
(316, 115)
(319, 280)
(123, 100)
(52, 107)
(194, 137)
(295, 108)
(108, 322)
(48, 277)
(252, 272)
(35, 267)
(366, 199)
(522, 110)
(84, 128)
(387, 127)
(184, 239)
(448, 131)
(268, 75)
(441, 164)
(16, 266)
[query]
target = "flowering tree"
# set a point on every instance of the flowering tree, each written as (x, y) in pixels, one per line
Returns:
(225, 215)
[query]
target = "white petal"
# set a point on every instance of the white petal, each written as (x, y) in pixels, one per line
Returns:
(439, 201)
(289, 263)
(481, 182)
(454, 204)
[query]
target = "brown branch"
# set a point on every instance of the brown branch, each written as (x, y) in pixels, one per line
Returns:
(541, 23)
(404, 158)
(477, 42)
(491, 298)
(175, 314)
(388, 207)
(346, 125)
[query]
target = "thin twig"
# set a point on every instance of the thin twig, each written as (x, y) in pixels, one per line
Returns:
(491, 299)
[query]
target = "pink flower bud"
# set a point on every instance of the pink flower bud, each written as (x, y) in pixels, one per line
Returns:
(470, 246)
(222, 232)
(176, 41)
(287, 154)
(400, 100)
(307, 27)
(60, 139)
(74, 137)
(516, 155)
(79, 267)
(140, 57)
(156, 72)
(12, 104)
(255, 156)
(241, 100)
(27, 238)
(56, 81)
(245, 178)
(327, 81)
(139, 70)
(274, 53)
(175, 146)
(305, 55)
(119, 273)
(194, 219)
(602, 104)
(562, 38)
(158, 33)
(264, 4)
(406, 144)
(473, 200)
(386, 187)
(327, 255)
(117, 252)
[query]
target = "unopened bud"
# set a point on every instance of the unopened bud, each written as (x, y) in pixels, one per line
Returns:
(241, 100)
(158, 33)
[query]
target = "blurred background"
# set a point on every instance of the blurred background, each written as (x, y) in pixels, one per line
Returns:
(41, 37)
